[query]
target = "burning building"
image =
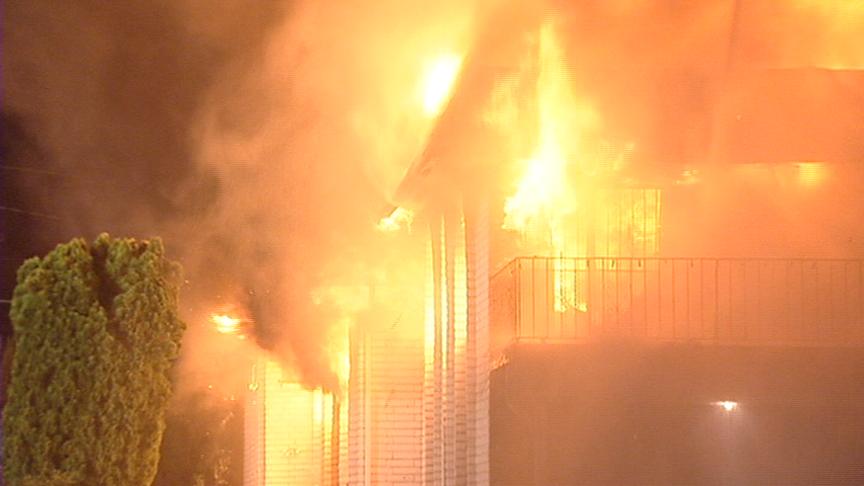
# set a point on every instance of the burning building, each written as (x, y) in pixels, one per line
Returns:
(642, 256)
(659, 222)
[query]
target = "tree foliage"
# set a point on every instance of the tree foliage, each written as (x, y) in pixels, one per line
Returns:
(96, 332)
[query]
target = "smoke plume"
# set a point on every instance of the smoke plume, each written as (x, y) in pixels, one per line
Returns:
(259, 141)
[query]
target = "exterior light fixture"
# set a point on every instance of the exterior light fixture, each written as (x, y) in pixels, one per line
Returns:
(727, 405)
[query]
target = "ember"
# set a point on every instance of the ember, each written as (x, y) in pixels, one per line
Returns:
(226, 324)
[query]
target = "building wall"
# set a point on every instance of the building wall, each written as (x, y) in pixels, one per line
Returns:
(636, 414)
(289, 431)
(478, 367)
(416, 409)
(385, 401)
(455, 400)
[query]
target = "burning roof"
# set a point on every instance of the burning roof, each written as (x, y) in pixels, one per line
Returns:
(720, 81)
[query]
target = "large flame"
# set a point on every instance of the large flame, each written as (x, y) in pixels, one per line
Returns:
(545, 196)
(438, 79)
(566, 203)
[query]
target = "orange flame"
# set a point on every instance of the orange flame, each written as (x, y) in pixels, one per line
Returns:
(439, 76)
(226, 324)
(839, 25)
(399, 218)
(544, 196)
(348, 301)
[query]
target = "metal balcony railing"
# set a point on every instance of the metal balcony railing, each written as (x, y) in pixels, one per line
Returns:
(710, 300)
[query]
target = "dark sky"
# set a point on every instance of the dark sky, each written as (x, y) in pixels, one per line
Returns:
(97, 103)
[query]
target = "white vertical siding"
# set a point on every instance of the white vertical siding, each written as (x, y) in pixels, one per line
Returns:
(477, 246)
(456, 398)
(288, 431)
(433, 440)
(253, 431)
(417, 406)
(386, 401)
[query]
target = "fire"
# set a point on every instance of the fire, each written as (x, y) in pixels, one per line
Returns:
(338, 353)
(812, 174)
(567, 202)
(226, 324)
(347, 302)
(544, 196)
(839, 24)
(843, 13)
(399, 218)
(438, 79)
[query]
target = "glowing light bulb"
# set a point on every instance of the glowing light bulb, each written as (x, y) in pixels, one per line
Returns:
(727, 405)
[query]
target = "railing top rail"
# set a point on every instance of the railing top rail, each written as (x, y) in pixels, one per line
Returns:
(687, 258)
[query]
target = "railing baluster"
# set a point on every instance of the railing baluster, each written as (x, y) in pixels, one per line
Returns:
(644, 264)
(590, 299)
(759, 324)
(518, 298)
(616, 276)
(802, 315)
(716, 300)
(701, 298)
(549, 274)
(687, 298)
(533, 298)
(632, 307)
(659, 297)
(674, 294)
(603, 327)
(731, 307)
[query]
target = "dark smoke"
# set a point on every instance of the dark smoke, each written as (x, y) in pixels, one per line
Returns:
(101, 101)
(255, 139)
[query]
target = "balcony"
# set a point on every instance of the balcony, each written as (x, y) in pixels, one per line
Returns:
(726, 301)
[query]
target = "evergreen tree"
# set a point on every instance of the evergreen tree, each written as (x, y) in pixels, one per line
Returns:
(96, 332)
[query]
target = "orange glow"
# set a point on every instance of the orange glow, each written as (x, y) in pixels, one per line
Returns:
(398, 219)
(337, 351)
(567, 203)
(727, 405)
(544, 197)
(348, 301)
(438, 79)
(299, 427)
(812, 173)
(226, 324)
(840, 24)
